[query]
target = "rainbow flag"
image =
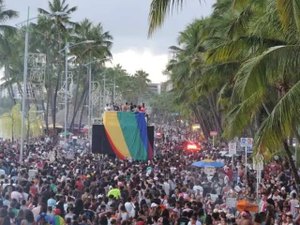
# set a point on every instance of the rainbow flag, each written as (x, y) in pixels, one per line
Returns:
(58, 220)
(127, 135)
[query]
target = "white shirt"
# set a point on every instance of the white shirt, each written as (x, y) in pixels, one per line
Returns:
(36, 211)
(198, 189)
(197, 223)
(293, 209)
(16, 195)
(166, 187)
(130, 208)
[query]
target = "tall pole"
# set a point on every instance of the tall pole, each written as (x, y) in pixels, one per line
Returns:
(246, 164)
(90, 104)
(24, 88)
(114, 96)
(66, 89)
(104, 90)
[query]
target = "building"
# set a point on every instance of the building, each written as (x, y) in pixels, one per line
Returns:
(154, 88)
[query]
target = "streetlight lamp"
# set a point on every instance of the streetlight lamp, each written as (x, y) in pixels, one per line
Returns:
(25, 74)
(66, 51)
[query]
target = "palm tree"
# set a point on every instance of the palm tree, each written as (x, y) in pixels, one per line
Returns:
(256, 50)
(60, 11)
(141, 81)
(61, 26)
(101, 43)
(98, 50)
(6, 48)
(41, 38)
(267, 83)
(158, 11)
(5, 15)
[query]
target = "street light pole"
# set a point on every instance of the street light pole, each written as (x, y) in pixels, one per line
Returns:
(66, 51)
(114, 95)
(25, 74)
(90, 104)
(66, 90)
(104, 94)
(24, 88)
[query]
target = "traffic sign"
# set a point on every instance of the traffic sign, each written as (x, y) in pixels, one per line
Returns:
(246, 142)
(232, 148)
(213, 133)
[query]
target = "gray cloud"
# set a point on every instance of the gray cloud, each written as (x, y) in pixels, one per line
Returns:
(126, 20)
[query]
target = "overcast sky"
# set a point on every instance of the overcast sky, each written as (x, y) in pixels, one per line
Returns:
(127, 21)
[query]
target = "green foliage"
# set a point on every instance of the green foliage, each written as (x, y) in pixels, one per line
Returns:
(11, 123)
(158, 11)
(163, 105)
(242, 65)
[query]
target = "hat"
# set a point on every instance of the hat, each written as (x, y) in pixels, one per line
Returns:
(51, 202)
(56, 211)
(153, 205)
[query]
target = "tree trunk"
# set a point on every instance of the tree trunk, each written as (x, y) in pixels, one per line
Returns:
(20, 89)
(205, 125)
(46, 110)
(55, 101)
(216, 117)
(292, 164)
(82, 111)
(201, 121)
(10, 88)
(80, 104)
(76, 102)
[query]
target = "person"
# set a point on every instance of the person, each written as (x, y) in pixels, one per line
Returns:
(28, 218)
(123, 214)
(194, 221)
(297, 219)
(143, 108)
(183, 220)
(107, 107)
(125, 107)
(114, 191)
(130, 208)
(43, 219)
(293, 203)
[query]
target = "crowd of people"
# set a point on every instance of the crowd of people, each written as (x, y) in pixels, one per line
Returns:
(50, 188)
(126, 107)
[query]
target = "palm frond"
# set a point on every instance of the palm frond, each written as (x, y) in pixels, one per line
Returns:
(43, 11)
(8, 14)
(240, 4)
(158, 12)
(242, 114)
(240, 23)
(277, 63)
(289, 13)
(281, 122)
